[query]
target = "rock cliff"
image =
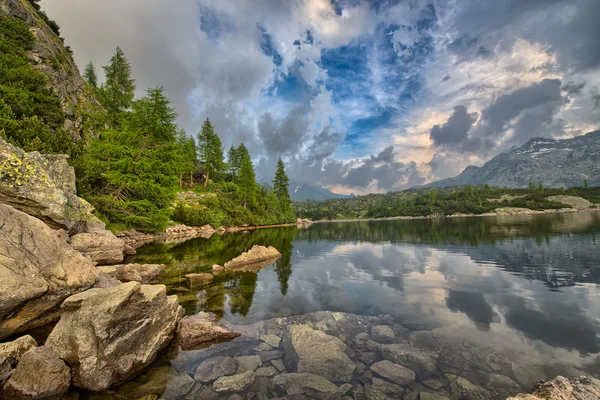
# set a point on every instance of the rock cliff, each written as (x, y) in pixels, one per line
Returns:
(50, 56)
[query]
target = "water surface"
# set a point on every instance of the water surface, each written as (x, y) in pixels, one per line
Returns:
(527, 286)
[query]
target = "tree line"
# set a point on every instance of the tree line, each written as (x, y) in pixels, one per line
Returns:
(141, 159)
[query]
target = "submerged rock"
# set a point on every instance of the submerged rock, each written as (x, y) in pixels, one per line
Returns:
(199, 280)
(38, 270)
(257, 254)
(40, 374)
(234, 383)
(101, 248)
(108, 335)
(214, 368)
(422, 362)
(559, 388)
(315, 352)
(10, 354)
(44, 187)
(198, 330)
(133, 272)
(307, 384)
(393, 372)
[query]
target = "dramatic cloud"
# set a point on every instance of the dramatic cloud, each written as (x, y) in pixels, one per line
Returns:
(358, 95)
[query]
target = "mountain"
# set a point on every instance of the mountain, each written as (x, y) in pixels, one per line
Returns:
(305, 191)
(553, 163)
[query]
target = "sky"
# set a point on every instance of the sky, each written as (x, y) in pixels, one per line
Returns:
(358, 96)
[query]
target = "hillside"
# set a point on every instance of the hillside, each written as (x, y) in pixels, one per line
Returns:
(53, 59)
(305, 191)
(553, 163)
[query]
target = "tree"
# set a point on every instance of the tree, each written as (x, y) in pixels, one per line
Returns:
(131, 172)
(89, 74)
(233, 162)
(119, 90)
(188, 158)
(210, 152)
(541, 188)
(531, 186)
(280, 186)
(246, 178)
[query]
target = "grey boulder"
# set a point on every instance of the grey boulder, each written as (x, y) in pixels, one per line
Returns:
(108, 335)
(101, 248)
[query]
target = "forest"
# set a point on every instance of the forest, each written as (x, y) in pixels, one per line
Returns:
(134, 158)
(441, 202)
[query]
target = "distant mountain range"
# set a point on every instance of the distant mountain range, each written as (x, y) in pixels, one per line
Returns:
(305, 191)
(553, 163)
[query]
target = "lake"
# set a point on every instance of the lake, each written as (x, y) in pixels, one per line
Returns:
(522, 289)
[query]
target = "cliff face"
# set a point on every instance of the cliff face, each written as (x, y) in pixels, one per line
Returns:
(50, 56)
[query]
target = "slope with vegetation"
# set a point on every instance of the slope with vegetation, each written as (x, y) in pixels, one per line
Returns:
(130, 156)
(442, 202)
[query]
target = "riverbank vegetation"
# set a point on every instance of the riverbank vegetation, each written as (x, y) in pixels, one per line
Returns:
(446, 201)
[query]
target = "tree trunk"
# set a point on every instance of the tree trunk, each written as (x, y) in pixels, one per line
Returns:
(206, 180)
(191, 179)
(180, 180)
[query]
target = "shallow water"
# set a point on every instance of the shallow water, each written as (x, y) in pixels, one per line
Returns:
(523, 287)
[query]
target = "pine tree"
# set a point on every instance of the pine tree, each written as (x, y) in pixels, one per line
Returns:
(131, 172)
(246, 178)
(280, 186)
(233, 162)
(89, 74)
(210, 152)
(119, 90)
(188, 157)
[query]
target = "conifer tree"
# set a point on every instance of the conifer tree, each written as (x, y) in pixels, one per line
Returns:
(188, 157)
(119, 90)
(131, 171)
(233, 162)
(89, 74)
(210, 152)
(280, 186)
(246, 178)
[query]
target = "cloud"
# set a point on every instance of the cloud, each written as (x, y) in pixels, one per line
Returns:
(358, 95)
(455, 130)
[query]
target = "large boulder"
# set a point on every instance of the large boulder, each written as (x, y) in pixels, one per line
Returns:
(108, 335)
(102, 248)
(315, 352)
(422, 362)
(40, 374)
(256, 255)
(559, 388)
(133, 272)
(38, 270)
(44, 187)
(10, 354)
(199, 330)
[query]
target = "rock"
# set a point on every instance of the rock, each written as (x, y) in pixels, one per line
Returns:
(307, 384)
(248, 363)
(39, 374)
(216, 269)
(373, 393)
(279, 365)
(235, 396)
(202, 392)
(368, 357)
(262, 347)
(10, 354)
(393, 372)
(234, 383)
(266, 371)
(256, 254)
(387, 387)
(198, 330)
(178, 386)
(496, 382)
(434, 384)
(560, 388)
(100, 248)
(383, 334)
(573, 201)
(214, 368)
(269, 355)
(199, 280)
(312, 351)
(38, 270)
(462, 388)
(431, 396)
(133, 272)
(271, 340)
(108, 335)
(420, 361)
(105, 281)
(43, 187)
